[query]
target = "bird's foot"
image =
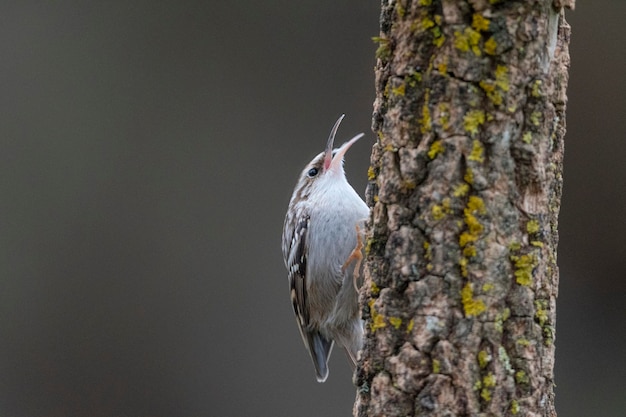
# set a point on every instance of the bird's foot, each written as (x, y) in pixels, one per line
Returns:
(355, 256)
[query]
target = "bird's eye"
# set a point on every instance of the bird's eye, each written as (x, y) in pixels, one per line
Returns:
(312, 172)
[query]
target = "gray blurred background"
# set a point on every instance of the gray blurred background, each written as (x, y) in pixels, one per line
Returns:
(148, 152)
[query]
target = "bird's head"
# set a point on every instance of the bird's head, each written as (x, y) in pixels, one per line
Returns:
(328, 165)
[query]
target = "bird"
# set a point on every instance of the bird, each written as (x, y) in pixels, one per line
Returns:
(321, 245)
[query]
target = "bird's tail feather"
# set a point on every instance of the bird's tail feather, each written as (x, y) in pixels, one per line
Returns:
(320, 349)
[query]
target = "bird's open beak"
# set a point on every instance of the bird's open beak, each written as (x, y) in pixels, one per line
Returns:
(333, 163)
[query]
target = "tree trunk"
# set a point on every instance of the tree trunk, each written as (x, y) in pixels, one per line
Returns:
(465, 186)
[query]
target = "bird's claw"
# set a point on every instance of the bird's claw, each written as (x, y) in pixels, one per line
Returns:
(355, 256)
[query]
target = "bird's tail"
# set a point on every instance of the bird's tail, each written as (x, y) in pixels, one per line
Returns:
(320, 349)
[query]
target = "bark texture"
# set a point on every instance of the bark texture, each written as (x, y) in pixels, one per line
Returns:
(465, 185)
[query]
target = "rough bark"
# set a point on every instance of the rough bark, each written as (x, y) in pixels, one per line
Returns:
(465, 185)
